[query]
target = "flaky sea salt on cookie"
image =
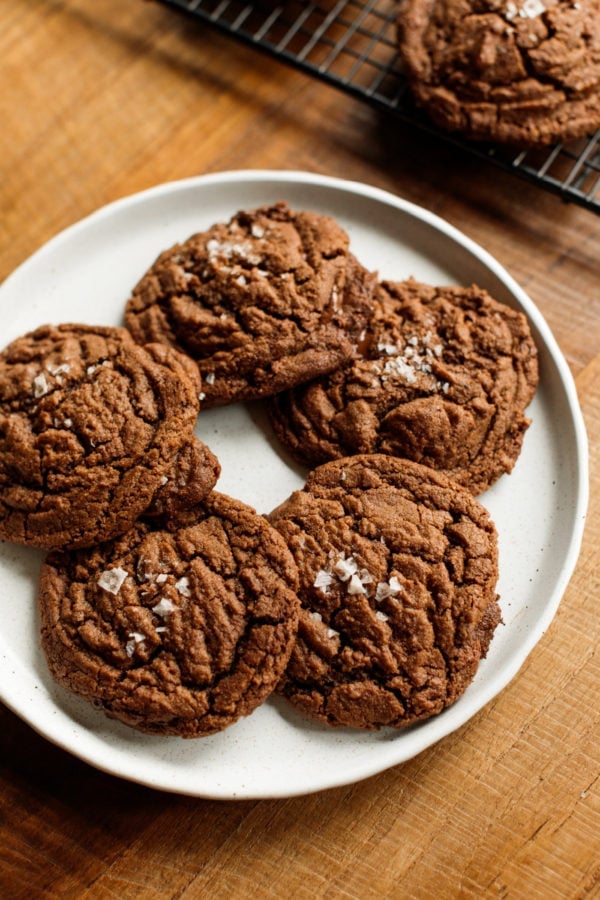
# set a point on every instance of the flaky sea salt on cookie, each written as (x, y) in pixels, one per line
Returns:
(89, 425)
(265, 301)
(174, 632)
(398, 567)
(442, 376)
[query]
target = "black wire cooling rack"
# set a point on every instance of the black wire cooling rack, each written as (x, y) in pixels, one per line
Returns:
(352, 45)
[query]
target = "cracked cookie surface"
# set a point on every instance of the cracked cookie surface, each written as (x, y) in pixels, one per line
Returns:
(89, 425)
(398, 567)
(268, 300)
(525, 72)
(174, 632)
(442, 376)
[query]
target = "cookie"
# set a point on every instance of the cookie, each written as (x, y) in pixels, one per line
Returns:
(264, 302)
(89, 425)
(174, 632)
(398, 567)
(442, 376)
(523, 72)
(193, 474)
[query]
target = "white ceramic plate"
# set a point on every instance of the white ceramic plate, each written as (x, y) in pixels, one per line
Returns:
(85, 275)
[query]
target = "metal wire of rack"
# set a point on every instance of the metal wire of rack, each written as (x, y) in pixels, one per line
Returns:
(351, 45)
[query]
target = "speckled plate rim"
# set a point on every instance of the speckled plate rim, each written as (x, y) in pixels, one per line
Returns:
(397, 238)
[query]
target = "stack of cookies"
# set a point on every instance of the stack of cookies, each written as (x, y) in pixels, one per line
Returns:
(366, 599)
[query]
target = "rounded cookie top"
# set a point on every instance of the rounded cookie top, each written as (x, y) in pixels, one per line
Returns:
(261, 303)
(89, 423)
(398, 567)
(525, 72)
(174, 632)
(442, 376)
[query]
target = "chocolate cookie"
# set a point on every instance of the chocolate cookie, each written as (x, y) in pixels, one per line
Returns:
(398, 566)
(89, 425)
(174, 632)
(192, 476)
(442, 376)
(262, 303)
(525, 72)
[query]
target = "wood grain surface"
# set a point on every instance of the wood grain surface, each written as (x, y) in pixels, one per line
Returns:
(102, 98)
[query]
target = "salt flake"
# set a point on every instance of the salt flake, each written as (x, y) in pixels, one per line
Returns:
(183, 587)
(345, 568)
(389, 589)
(365, 576)
(112, 580)
(135, 638)
(163, 607)
(531, 9)
(356, 586)
(40, 386)
(231, 250)
(323, 580)
(63, 369)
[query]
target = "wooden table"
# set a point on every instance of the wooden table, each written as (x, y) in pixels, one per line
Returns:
(103, 98)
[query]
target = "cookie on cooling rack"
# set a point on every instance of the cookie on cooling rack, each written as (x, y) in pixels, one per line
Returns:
(524, 72)
(174, 632)
(398, 567)
(89, 425)
(268, 300)
(442, 376)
